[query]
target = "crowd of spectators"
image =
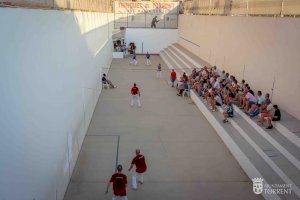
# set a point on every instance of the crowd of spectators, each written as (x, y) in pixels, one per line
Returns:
(119, 46)
(219, 88)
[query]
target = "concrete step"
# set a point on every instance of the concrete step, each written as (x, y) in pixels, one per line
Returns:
(183, 66)
(192, 56)
(187, 61)
(170, 62)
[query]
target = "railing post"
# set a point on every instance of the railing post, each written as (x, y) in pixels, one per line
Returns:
(145, 20)
(247, 8)
(210, 7)
(272, 89)
(281, 11)
(244, 69)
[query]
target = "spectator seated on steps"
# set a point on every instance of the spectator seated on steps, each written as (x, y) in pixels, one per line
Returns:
(228, 112)
(107, 81)
(275, 117)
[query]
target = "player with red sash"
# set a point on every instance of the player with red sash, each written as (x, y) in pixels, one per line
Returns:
(141, 167)
(119, 181)
(135, 96)
(173, 77)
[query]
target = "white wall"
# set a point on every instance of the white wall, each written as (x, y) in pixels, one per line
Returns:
(267, 47)
(152, 40)
(49, 85)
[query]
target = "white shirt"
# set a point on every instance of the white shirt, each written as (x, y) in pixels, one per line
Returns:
(250, 97)
(260, 99)
(218, 99)
(218, 72)
(217, 85)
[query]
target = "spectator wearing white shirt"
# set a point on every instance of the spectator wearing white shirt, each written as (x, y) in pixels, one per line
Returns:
(260, 98)
(217, 71)
(217, 85)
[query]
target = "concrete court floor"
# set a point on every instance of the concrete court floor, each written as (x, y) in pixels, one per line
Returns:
(186, 158)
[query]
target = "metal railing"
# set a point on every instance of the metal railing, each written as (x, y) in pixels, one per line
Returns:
(146, 14)
(83, 5)
(277, 8)
(144, 20)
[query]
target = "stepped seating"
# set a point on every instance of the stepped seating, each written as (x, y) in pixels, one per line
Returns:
(273, 155)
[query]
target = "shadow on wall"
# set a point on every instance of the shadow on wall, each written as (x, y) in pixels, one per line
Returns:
(50, 84)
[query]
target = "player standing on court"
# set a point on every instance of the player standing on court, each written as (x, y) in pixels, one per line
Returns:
(158, 75)
(148, 58)
(135, 96)
(141, 167)
(119, 181)
(133, 60)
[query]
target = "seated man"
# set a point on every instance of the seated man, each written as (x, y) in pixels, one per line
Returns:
(260, 98)
(276, 117)
(249, 100)
(181, 88)
(185, 77)
(106, 81)
(212, 101)
(202, 89)
(254, 110)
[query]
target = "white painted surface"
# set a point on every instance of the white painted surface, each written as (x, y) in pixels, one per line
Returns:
(50, 69)
(118, 55)
(292, 137)
(267, 47)
(151, 40)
